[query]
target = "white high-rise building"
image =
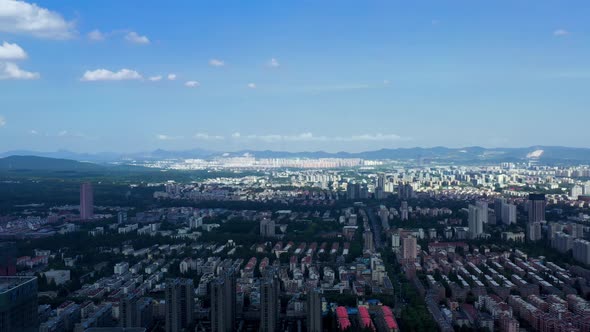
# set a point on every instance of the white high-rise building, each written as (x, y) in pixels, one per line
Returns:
(195, 222)
(395, 242)
(475, 222)
(482, 208)
(534, 231)
(552, 229)
(576, 191)
(509, 214)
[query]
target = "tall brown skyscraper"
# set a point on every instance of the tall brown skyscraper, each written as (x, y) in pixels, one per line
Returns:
(86, 201)
(409, 249)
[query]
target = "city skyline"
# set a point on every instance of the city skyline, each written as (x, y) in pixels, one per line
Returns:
(294, 165)
(264, 248)
(333, 76)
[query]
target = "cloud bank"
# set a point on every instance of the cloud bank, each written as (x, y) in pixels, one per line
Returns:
(20, 17)
(107, 75)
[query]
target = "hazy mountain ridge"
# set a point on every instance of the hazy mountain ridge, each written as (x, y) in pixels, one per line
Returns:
(34, 163)
(440, 154)
(474, 153)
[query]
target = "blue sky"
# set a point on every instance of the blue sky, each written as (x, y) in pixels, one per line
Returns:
(93, 76)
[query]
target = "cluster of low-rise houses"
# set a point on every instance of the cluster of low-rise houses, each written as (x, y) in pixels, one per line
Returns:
(142, 274)
(502, 289)
(104, 300)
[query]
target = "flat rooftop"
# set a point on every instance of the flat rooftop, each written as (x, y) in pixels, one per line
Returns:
(7, 283)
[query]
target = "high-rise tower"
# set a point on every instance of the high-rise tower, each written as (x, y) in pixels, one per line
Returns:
(536, 205)
(180, 297)
(223, 303)
(314, 310)
(270, 306)
(86, 201)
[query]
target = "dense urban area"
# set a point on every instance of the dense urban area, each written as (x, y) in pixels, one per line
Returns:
(315, 245)
(294, 166)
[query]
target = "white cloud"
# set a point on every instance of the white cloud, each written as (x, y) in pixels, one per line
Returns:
(435, 22)
(192, 84)
(163, 137)
(206, 137)
(62, 133)
(376, 137)
(560, 32)
(20, 17)
(134, 37)
(277, 138)
(266, 138)
(171, 77)
(2, 121)
(216, 63)
(66, 133)
(155, 78)
(305, 137)
(386, 82)
(9, 70)
(10, 51)
(96, 35)
(107, 75)
(273, 63)
(309, 137)
(130, 36)
(252, 85)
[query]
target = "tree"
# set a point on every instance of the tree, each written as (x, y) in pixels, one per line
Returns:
(42, 283)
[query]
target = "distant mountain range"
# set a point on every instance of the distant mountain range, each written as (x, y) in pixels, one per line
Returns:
(113, 156)
(545, 154)
(475, 154)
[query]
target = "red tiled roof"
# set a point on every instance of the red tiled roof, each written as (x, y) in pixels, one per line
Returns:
(389, 319)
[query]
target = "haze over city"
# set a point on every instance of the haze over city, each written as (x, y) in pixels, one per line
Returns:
(292, 75)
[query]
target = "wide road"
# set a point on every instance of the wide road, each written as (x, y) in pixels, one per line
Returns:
(375, 227)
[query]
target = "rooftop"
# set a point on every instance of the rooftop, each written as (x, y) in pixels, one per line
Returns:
(7, 283)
